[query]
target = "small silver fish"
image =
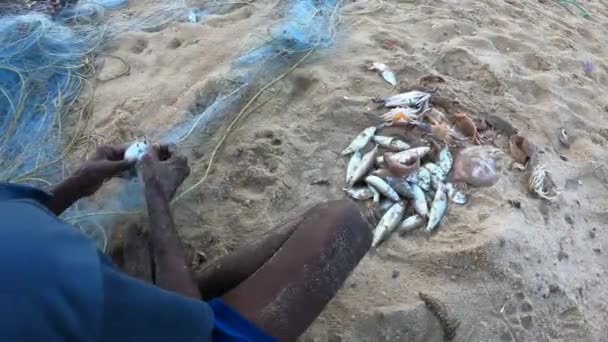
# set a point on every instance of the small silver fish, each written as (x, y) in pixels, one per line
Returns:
(410, 224)
(413, 192)
(353, 164)
(376, 197)
(388, 223)
(400, 185)
(407, 156)
(436, 170)
(413, 179)
(360, 141)
(367, 162)
(411, 154)
(422, 178)
(385, 205)
(445, 160)
(419, 201)
(390, 143)
(385, 72)
(438, 208)
(437, 174)
(415, 99)
(430, 196)
(359, 193)
(456, 195)
(136, 151)
(382, 187)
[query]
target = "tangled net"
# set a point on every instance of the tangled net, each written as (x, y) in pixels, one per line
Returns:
(46, 65)
(47, 82)
(42, 73)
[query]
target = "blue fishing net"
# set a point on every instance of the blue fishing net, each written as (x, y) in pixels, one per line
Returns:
(45, 64)
(39, 78)
(306, 24)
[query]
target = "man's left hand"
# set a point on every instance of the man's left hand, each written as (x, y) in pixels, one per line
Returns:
(106, 163)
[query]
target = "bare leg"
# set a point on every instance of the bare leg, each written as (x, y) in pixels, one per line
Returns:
(287, 279)
(226, 273)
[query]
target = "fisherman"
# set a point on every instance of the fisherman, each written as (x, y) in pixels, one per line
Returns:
(56, 286)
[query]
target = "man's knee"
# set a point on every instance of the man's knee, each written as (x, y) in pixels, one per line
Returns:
(344, 218)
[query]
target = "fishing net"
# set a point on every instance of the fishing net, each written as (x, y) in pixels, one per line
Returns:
(307, 25)
(41, 75)
(45, 64)
(47, 78)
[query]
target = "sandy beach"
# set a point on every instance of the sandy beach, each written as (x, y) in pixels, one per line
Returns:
(508, 266)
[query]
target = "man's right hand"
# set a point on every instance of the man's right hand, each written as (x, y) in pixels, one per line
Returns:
(162, 167)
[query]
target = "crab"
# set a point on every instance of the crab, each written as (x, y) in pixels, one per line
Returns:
(398, 116)
(442, 131)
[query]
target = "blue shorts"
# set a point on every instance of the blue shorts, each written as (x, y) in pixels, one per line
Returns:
(230, 326)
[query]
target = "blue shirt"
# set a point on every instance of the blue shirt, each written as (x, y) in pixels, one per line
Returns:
(56, 286)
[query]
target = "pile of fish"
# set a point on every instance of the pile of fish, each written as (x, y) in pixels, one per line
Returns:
(406, 183)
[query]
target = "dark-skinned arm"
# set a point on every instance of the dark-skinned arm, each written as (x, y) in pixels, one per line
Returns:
(106, 163)
(161, 178)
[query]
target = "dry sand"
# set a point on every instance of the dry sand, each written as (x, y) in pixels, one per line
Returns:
(534, 273)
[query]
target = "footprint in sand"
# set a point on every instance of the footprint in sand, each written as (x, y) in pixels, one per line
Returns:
(461, 64)
(139, 45)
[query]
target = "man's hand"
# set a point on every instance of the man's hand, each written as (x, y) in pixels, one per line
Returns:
(162, 168)
(106, 163)
(89, 177)
(163, 172)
